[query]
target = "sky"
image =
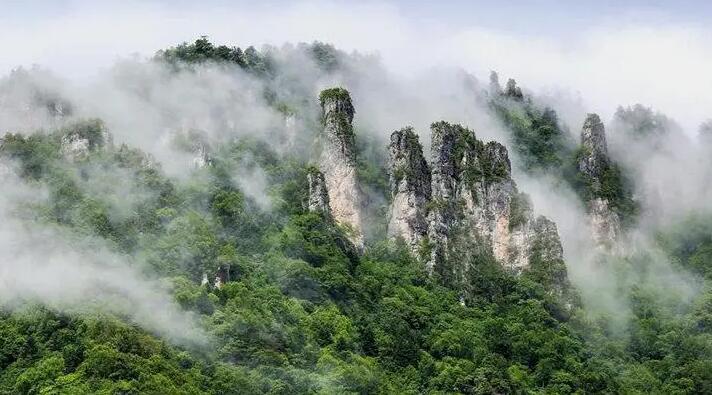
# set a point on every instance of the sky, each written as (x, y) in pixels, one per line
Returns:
(605, 53)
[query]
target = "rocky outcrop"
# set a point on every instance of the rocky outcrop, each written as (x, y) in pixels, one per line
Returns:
(318, 194)
(476, 207)
(78, 140)
(74, 147)
(495, 89)
(463, 204)
(593, 160)
(409, 187)
(605, 223)
(222, 276)
(337, 161)
(592, 164)
(444, 178)
(200, 154)
(194, 142)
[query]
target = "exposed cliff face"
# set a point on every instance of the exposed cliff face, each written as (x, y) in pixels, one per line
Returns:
(592, 164)
(74, 147)
(337, 161)
(410, 188)
(475, 200)
(464, 204)
(201, 157)
(444, 181)
(318, 194)
(605, 223)
(79, 140)
(594, 158)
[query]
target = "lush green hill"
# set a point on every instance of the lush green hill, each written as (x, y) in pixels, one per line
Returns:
(301, 310)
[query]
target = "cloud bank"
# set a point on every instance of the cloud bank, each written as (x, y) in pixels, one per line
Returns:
(661, 62)
(41, 264)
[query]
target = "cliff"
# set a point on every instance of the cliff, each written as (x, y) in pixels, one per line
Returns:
(475, 200)
(318, 194)
(81, 138)
(461, 205)
(593, 163)
(337, 161)
(409, 187)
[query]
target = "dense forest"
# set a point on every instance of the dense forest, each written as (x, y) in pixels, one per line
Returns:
(283, 300)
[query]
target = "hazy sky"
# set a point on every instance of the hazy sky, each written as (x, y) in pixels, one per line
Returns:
(658, 53)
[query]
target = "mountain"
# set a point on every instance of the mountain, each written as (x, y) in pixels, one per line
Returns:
(224, 220)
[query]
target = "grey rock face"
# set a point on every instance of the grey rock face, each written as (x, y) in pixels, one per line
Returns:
(318, 194)
(338, 162)
(78, 140)
(74, 147)
(594, 160)
(605, 223)
(535, 239)
(445, 175)
(410, 188)
(201, 157)
(474, 197)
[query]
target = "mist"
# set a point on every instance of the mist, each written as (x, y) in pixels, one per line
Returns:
(41, 263)
(394, 82)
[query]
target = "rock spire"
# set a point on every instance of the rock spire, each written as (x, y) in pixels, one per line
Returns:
(337, 161)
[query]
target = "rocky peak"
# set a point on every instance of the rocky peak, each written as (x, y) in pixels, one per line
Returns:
(318, 194)
(476, 207)
(410, 188)
(337, 161)
(409, 170)
(496, 161)
(444, 170)
(495, 89)
(336, 102)
(594, 158)
(337, 116)
(78, 140)
(512, 90)
(593, 162)
(200, 152)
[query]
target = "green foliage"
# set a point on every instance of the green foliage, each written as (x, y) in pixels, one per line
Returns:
(642, 122)
(618, 190)
(335, 94)
(520, 209)
(325, 55)
(93, 130)
(542, 146)
(614, 185)
(202, 50)
(303, 312)
(537, 137)
(34, 153)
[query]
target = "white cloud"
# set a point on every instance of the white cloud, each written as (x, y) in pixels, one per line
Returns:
(619, 62)
(41, 264)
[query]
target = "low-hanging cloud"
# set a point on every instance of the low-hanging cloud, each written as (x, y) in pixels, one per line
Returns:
(423, 72)
(660, 63)
(42, 264)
